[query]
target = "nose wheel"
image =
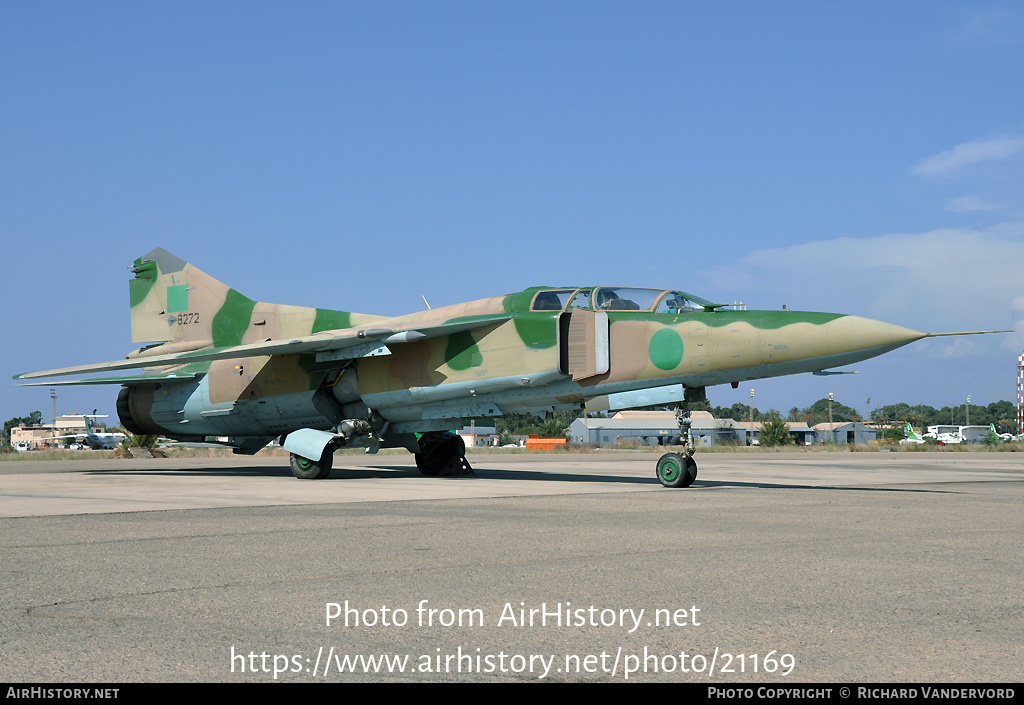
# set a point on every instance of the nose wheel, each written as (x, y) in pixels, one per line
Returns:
(676, 470)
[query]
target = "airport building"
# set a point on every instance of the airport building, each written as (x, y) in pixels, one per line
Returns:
(35, 436)
(652, 428)
(844, 433)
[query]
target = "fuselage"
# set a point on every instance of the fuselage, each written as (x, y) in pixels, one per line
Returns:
(543, 349)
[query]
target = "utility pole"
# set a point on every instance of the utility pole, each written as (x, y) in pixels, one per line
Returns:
(967, 411)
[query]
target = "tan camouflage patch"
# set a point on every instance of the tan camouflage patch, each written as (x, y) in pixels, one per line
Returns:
(276, 321)
(258, 377)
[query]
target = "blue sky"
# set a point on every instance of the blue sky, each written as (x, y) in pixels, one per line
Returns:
(863, 158)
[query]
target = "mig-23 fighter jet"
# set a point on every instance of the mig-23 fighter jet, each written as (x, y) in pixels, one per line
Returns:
(222, 364)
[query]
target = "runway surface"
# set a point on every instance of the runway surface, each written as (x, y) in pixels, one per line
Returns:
(788, 567)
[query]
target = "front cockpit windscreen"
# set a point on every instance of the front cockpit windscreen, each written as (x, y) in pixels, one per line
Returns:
(678, 302)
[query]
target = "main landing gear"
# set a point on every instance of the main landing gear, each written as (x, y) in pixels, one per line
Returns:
(680, 469)
(306, 469)
(442, 453)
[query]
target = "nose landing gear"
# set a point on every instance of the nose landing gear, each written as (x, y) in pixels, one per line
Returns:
(676, 470)
(680, 469)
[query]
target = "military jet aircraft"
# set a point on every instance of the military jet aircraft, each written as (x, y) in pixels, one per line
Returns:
(221, 364)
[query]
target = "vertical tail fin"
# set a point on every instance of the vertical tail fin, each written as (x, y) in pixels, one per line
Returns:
(172, 301)
(910, 433)
(176, 304)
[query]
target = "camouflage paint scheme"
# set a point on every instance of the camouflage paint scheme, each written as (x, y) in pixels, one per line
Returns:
(221, 364)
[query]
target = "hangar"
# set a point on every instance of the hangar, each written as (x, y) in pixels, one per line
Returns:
(653, 428)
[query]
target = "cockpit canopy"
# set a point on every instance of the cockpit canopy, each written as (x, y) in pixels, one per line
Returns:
(619, 298)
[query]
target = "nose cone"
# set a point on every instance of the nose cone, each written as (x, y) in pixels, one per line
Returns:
(823, 341)
(853, 334)
(819, 341)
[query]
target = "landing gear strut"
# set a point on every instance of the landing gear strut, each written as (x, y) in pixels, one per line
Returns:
(680, 469)
(442, 453)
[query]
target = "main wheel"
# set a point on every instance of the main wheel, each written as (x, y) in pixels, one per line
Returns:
(430, 469)
(306, 469)
(437, 451)
(676, 470)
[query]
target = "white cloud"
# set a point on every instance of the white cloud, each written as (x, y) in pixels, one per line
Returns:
(958, 348)
(1016, 339)
(942, 280)
(937, 281)
(971, 204)
(967, 154)
(988, 28)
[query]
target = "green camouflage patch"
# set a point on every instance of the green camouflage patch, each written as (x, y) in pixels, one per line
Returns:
(232, 320)
(461, 353)
(177, 298)
(666, 349)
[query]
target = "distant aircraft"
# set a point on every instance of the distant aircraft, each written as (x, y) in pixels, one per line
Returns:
(945, 438)
(1000, 436)
(911, 437)
(320, 379)
(97, 440)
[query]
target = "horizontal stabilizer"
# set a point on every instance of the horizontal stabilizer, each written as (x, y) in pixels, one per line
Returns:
(124, 379)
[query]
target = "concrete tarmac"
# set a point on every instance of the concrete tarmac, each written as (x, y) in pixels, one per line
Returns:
(779, 568)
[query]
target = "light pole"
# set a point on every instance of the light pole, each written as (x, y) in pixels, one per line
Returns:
(751, 415)
(831, 430)
(967, 411)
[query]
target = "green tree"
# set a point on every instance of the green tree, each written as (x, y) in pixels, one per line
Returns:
(701, 405)
(840, 412)
(774, 431)
(736, 412)
(1004, 416)
(553, 428)
(526, 424)
(919, 415)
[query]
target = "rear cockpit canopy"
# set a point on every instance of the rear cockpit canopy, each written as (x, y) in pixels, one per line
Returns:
(619, 298)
